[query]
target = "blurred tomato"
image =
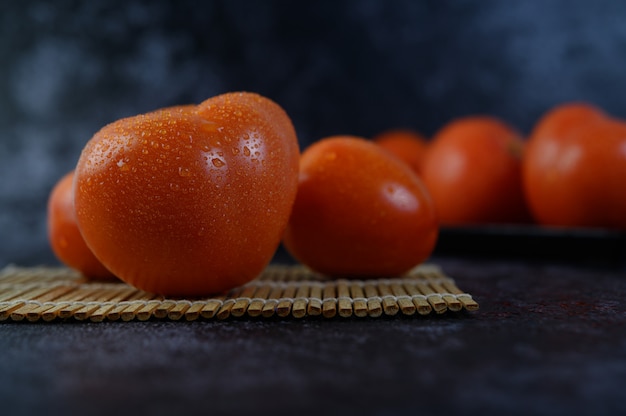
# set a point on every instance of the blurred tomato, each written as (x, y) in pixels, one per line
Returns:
(191, 200)
(575, 168)
(359, 211)
(407, 145)
(65, 238)
(473, 172)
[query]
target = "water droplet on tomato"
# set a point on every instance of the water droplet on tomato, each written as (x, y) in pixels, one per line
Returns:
(123, 165)
(184, 172)
(217, 162)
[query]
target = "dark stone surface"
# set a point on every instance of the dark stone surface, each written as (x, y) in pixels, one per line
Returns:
(548, 339)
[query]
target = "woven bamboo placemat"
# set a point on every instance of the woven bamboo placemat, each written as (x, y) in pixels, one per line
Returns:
(49, 294)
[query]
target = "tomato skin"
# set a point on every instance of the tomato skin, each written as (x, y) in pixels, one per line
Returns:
(408, 145)
(359, 212)
(575, 168)
(473, 173)
(564, 120)
(189, 201)
(64, 236)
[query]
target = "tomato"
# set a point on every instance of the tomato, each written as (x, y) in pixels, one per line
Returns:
(473, 172)
(192, 200)
(407, 145)
(64, 236)
(575, 168)
(565, 119)
(359, 211)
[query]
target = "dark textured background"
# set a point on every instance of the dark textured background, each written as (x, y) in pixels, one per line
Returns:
(548, 340)
(69, 67)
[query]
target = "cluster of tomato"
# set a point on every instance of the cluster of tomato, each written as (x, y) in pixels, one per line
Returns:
(569, 172)
(194, 200)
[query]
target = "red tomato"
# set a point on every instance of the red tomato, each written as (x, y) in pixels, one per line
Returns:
(566, 119)
(407, 145)
(473, 172)
(575, 168)
(65, 238)
(359, 212)
(193, 200)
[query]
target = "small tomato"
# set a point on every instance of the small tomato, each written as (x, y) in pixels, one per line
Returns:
(407, 145)
(473, 172)
(64, 236)
(575, 168)
(359, 211)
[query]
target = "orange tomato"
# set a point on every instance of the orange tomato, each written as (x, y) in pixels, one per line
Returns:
(575, 168)
(64, 236)
(564, 120)
(359, 211)
(405, 144)
(192, 200)
(473, 172)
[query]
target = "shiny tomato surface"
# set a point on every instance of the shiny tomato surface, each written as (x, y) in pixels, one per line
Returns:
(64, 236)
(359, 212)
(575, 168)
(473, 170)
(189, 200)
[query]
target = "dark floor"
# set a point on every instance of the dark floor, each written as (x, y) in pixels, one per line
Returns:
(548, 339)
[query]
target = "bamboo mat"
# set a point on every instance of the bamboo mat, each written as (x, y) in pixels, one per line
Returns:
(50, 294)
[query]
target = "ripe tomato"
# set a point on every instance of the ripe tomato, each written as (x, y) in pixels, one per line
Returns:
(407, 145)
(65, 238)
(359, 211)
(575, 168)
(565, 119)
(191, 200)
(473, 172)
